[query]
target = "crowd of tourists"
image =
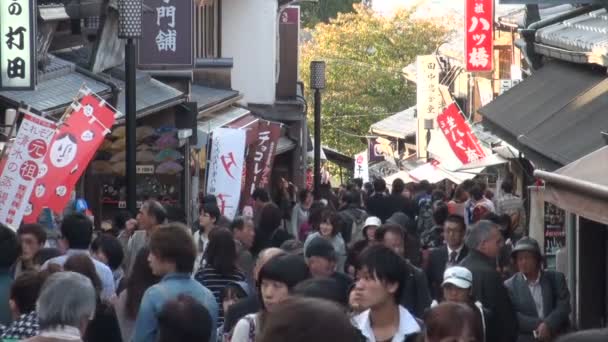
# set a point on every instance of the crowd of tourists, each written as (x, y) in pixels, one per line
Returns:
(361, 263)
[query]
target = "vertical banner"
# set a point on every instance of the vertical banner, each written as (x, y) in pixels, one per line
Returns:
(263, 153)
(362, 166)
(73, 148)
(167, 35)
(18, 44)
(479, 39)
(462, 141)
(23, 165)
(226, 168)
(428, 97)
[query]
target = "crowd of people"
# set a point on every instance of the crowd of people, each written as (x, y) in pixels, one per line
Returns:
(357, 264)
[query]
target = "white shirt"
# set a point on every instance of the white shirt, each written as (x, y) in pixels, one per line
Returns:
(407, 325)
(536, 291)
(458, 250)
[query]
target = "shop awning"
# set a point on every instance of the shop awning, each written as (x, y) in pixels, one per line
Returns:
(219, 119)
(208, 98)
(285, 145)
(403, 175)
(401, 125)
(434, 173)
(580, 187)
(555, 116)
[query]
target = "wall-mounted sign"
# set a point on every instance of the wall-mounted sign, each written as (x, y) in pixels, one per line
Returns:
(479, 35)
(167, 38)
(17, 44)
(428, 97)
(145, 169)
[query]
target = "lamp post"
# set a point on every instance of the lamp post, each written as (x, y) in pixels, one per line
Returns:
(429, 126)
(317, 83)
(130, 28)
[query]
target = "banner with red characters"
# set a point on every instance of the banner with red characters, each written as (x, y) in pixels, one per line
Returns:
(458, 133)
(71, 151)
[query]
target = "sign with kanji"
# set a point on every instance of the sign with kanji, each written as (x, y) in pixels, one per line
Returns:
(225, 171)
(462, 141)
(259, 165)
(479, 35)
(428, 97)
(362, 166)
(17, 44)
(167, 35)
(23, 164)
(72, 149)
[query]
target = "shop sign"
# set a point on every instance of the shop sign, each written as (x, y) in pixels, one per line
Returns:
(22, 166)
(226, 168)
(167, 35)
(380, 149)
(263, 153)
(479, 38)
(462, 141)
(428, 96)
(17, 44)
(362, 166)
(71, 151)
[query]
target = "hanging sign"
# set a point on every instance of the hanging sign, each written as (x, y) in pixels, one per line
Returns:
(428, 97)
(479, 39)
(71, 151)
(361, 166)
(167, 35)
(462, 141)
(226, 168)
(22, 166)
(263, 154)
(17, 44)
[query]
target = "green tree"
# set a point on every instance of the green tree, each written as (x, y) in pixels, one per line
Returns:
(323, 10)
(365, 55)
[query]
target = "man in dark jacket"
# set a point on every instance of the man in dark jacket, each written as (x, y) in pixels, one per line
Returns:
(413, 251)
(377, 204)
(541, 298)
(484, 242)
(415, 291)
(353, 216)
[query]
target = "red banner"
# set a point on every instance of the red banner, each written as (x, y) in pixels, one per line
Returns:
(463, 142)
(479, 29)
(261, 156)
(72, 149)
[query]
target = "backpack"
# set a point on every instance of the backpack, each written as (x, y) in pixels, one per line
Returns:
(356, 228)
(425, 214)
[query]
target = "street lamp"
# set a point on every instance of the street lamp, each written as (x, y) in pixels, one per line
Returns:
(429, 126)
(317, 83)
(130, 28)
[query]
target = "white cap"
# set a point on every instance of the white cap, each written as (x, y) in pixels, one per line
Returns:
(458, 276)
(372, 221)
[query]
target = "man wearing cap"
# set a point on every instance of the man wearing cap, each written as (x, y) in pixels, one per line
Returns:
(450, 254)
(322, 259)
(457, 288)
(540, 297)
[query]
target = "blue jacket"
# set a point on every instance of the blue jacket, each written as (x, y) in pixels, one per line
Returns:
(172, 285)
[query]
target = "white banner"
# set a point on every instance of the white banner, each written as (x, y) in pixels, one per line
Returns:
(226, 168)
(22, 167)
(428, 98)
(362, 166)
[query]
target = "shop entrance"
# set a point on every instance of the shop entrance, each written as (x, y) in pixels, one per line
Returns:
(591, 289)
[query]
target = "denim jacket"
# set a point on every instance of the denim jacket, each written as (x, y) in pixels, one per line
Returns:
(172, 285)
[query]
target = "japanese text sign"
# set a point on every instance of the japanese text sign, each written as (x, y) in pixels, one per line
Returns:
(459, 135)
(73, 147)
(225, 172)
(479, 30)
(22, 166)
(361, 166)
(263, 152)
(428, 97)
(17, 44)
(167, 34)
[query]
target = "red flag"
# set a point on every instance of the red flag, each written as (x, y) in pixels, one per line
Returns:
(72, 149)
(479, 30)
(458, 133)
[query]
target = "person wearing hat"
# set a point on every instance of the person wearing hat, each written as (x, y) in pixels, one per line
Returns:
(322, 258)
(457, 288)
(540, 297)
(372, 223)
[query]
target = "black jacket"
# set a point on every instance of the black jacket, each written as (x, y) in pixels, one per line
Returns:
(399, 203)
(104, 326)
(239, 310)
(438, 258)
(351, 214)
(378, 205)
(488, 288)
(415, 296)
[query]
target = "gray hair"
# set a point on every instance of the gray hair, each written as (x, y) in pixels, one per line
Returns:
(66, 299)
(479, 233)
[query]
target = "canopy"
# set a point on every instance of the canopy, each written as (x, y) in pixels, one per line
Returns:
(580, 187)
(434, 173)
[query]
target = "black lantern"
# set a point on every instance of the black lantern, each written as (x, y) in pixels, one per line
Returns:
(317, 82)
(317, 75)
(129, 18)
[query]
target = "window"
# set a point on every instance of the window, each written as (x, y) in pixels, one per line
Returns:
(208, 29)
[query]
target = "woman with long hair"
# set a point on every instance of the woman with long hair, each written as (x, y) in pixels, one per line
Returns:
(276, 280)
(129, 299)
(269, 232)
(329, 228)
(221, 266)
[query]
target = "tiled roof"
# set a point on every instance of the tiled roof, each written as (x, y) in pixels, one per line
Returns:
(207, 97)
(400, 125)
(587, 33)
(517, 17)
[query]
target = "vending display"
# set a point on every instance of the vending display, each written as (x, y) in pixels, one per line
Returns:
(555, 232)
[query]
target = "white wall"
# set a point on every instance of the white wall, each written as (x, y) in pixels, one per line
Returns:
(249, 36)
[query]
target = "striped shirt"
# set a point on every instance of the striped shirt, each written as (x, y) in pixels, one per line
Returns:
(216, 282)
